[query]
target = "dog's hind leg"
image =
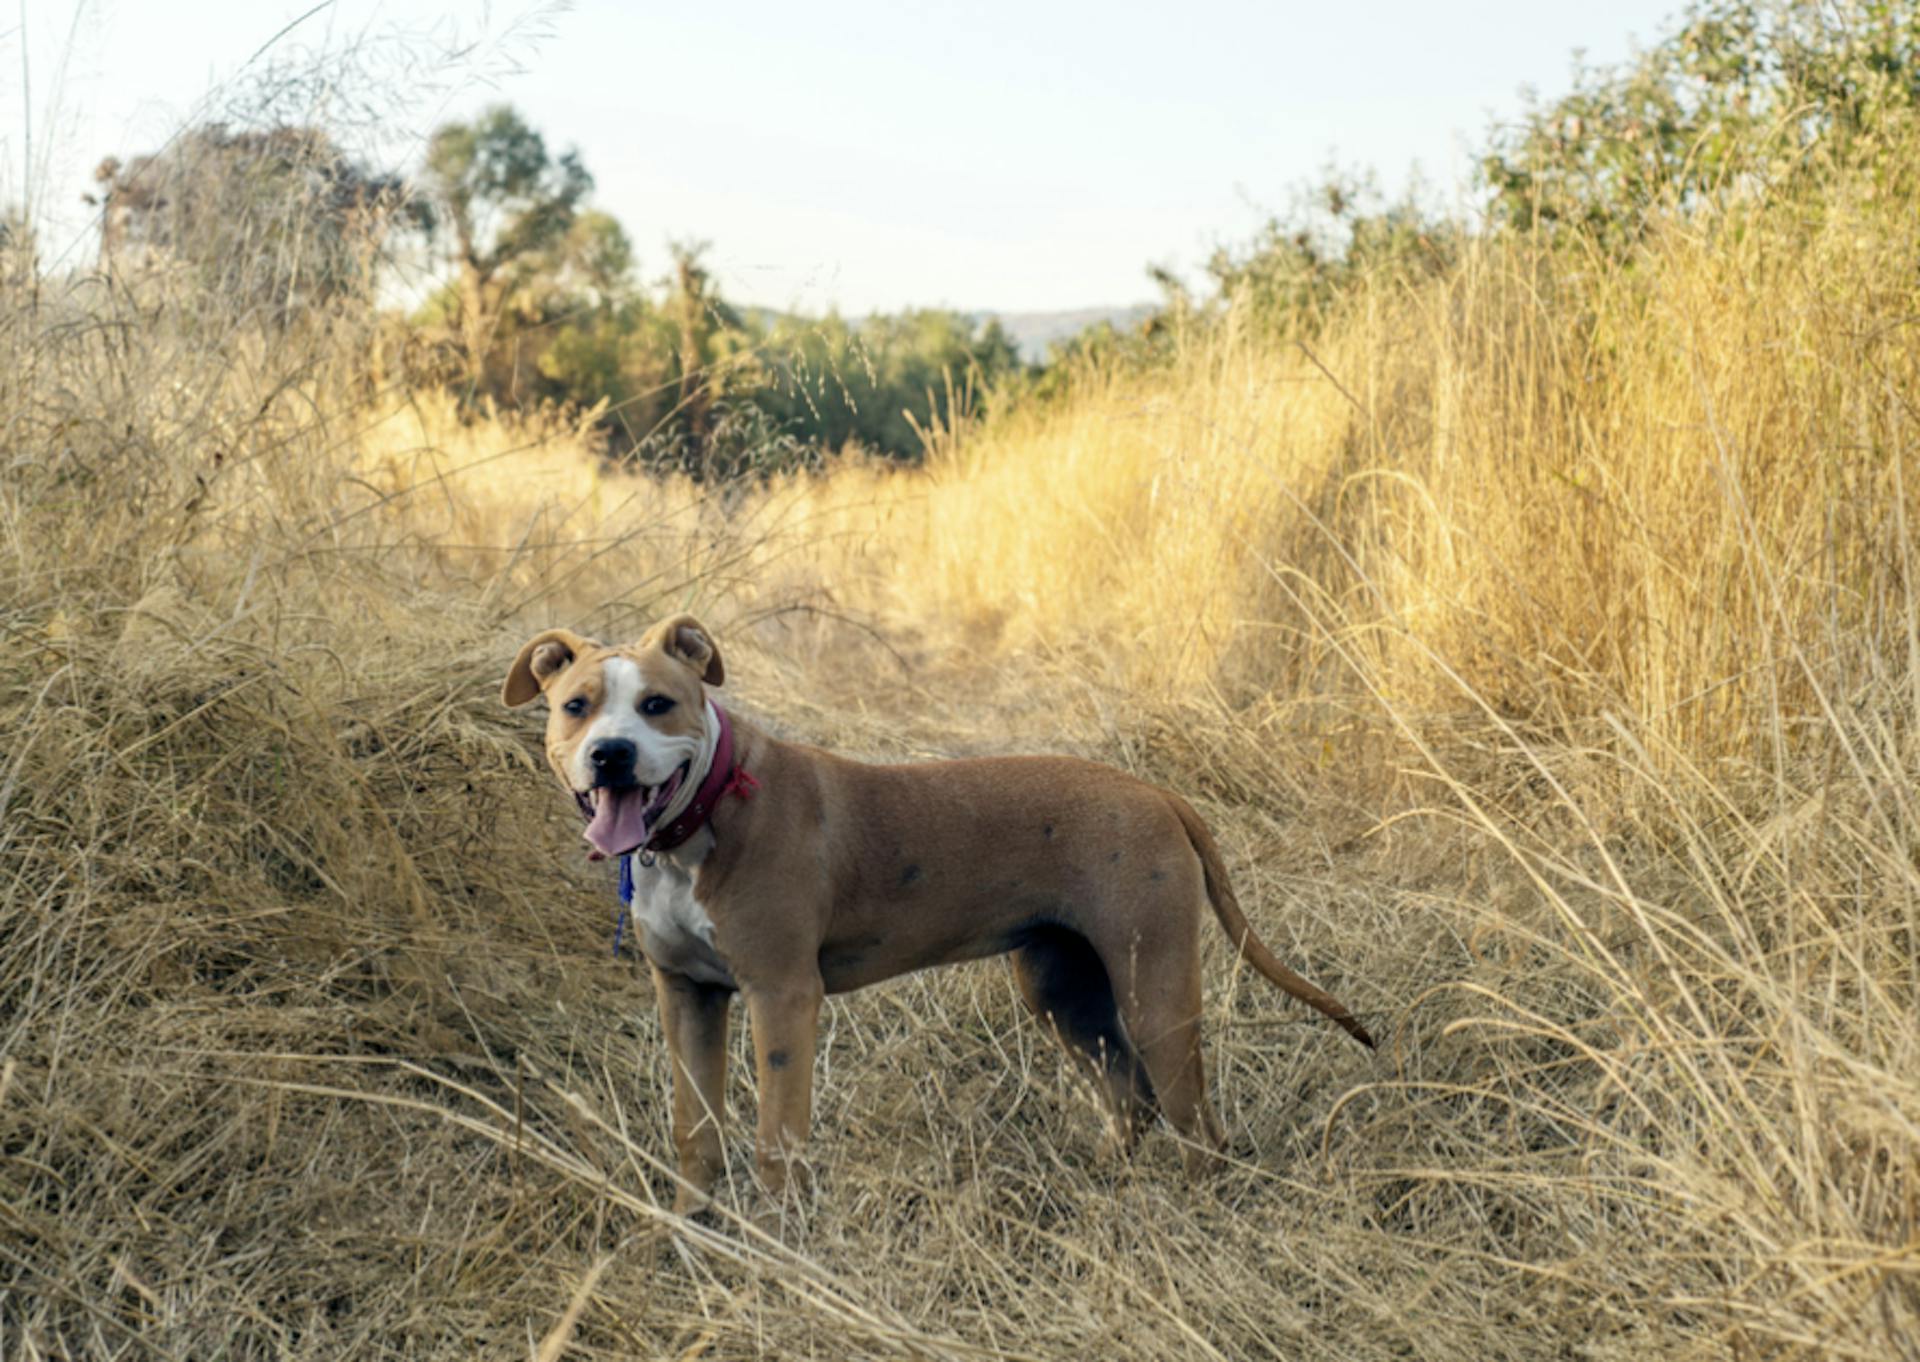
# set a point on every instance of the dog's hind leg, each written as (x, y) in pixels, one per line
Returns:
(1156, 983)
(1170, 1049)
(1062, 980)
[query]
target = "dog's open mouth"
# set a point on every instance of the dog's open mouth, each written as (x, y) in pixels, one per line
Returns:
(621, 820)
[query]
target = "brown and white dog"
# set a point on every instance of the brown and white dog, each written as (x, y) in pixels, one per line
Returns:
(837, 874)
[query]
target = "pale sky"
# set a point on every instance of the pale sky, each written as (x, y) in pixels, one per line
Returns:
(869, 154)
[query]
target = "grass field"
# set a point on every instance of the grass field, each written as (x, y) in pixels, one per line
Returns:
(1540, 641)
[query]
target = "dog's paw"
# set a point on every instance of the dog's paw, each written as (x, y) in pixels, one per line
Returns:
(786, 1176)
(688, 1202)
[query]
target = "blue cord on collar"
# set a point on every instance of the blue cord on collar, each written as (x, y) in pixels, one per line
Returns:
(626, 902)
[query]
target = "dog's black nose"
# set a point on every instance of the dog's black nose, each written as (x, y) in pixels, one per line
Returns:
(612, 759)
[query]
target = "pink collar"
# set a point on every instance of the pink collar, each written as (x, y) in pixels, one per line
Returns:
(723, 778)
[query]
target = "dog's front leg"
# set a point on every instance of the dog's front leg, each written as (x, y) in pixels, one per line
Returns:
(694, 1016)
(785, 1015)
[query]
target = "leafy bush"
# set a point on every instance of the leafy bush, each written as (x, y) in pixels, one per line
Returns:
(279, 217)
(1745, 96)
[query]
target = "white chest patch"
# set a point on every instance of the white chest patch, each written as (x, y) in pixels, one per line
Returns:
(675, 931)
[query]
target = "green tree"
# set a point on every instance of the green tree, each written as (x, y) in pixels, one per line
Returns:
(1743, 95)
(695, 315)
(676, 373)
(542, 304)
(882, 383)
(508, 212)
(280, 219)
(1291, 276)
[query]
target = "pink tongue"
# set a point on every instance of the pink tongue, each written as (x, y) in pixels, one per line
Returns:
(622, 818)
(619, 821)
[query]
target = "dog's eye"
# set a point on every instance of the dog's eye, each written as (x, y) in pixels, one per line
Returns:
(655, 705)
(576, 706)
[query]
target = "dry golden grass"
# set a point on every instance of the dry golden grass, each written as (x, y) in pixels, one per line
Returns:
(1542, 645)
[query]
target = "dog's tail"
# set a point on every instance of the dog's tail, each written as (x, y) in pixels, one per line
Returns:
(1227, 909)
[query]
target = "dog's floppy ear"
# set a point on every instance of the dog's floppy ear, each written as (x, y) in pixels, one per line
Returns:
(544, 657)
(685, 639)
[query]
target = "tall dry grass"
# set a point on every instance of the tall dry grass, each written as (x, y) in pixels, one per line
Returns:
(1539, 638)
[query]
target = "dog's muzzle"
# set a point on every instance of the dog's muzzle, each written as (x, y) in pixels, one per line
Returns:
(620, 811)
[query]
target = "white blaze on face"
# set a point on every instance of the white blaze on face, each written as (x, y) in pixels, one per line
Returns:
(658, 754)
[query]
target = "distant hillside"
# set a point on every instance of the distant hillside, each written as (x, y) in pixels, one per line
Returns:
(1033, 332)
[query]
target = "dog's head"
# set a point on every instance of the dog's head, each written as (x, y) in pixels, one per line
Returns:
(624, 724)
